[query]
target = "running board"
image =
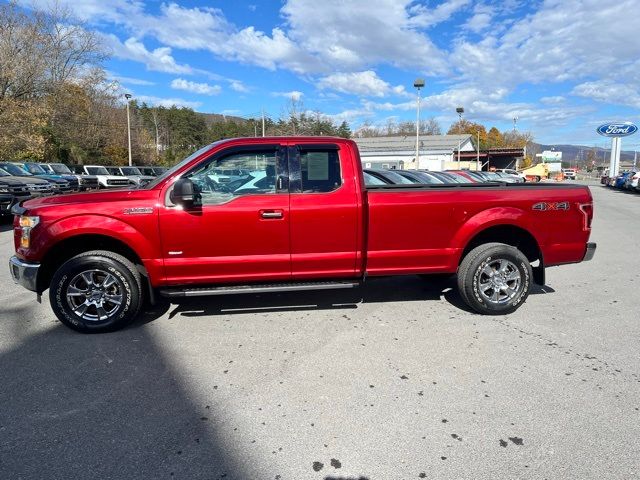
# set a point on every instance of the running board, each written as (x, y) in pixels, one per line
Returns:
(266, 288)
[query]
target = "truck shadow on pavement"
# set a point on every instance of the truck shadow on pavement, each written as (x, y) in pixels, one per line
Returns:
(110, 406)
(379, 290)
(6, 224)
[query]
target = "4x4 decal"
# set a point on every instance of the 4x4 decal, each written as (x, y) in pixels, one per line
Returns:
(544, 206)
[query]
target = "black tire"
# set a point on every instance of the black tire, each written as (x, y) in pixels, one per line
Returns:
(513, 285)
(120, 301)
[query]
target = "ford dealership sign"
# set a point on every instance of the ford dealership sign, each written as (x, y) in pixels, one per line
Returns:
(619, 129)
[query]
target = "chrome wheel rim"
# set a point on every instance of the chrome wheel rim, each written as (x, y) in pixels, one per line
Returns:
(499, 281)
(94, 295)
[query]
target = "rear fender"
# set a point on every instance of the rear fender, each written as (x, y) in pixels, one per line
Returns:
(498, 217)
(491, 217)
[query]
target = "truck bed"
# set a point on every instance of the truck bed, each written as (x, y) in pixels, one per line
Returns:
(430, 225)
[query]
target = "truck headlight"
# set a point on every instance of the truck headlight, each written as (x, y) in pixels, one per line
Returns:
(26, 224)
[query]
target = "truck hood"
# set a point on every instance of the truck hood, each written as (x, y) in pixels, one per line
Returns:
(52, 178)
(144, 197)
(12, 181)
(24, 180)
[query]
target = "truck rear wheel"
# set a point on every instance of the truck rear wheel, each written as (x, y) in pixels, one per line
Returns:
(494, 279)
(97, 291)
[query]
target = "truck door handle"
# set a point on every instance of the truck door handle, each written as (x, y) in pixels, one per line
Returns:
(271, 213)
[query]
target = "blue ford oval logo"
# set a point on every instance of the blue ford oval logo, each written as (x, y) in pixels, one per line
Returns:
(619, 129)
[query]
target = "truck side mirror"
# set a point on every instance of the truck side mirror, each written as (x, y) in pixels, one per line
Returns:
(185, 193)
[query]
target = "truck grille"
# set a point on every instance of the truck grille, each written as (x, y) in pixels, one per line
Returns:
(39, 187)
(118, 183)
(17, 190)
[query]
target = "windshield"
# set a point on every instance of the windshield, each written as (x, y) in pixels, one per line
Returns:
(97, 170)
(14, 169)
(429, 178)
(60, 168)
(131, 171)
(34, 169)
(397, 178)
(177, 167)
(371, 180)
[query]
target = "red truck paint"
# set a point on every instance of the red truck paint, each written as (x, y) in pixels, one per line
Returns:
(351, 232)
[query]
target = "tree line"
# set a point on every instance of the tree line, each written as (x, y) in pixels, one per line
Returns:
(57, 104)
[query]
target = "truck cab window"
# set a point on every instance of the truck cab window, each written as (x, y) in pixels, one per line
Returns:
(320, 171)
(243, 173)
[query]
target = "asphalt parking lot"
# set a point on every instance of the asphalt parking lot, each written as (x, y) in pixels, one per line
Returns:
(403, 385)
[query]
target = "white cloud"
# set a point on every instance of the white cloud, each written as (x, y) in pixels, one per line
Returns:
(158, 60)
(294, 95)
(553, 100)
(199, 88)
(366, 84)
(609, 92)
(425, 16)
(129, 80)
(238, 86)
(561, 41)
(351, 34)
(481, 19)
(167, 102)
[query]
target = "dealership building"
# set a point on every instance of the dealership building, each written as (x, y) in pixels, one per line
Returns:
(436, 152)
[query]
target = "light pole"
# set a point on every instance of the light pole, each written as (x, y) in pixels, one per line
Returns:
(515, 123)
(418, 83)
(478, 151)
(459, 111)
(128, 97)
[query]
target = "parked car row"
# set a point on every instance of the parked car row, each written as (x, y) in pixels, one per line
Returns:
(22, 180)
(624, 181)
(374, 176)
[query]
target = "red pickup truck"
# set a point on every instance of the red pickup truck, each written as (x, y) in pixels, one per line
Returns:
(285, 214)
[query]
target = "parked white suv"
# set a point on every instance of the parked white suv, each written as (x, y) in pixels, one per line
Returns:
(568, 174)
(105, 179)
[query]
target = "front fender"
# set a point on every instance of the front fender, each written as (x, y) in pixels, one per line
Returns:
(141, 238)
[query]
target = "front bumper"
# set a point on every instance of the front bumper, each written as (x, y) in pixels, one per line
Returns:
(590, 252)
(24, 273)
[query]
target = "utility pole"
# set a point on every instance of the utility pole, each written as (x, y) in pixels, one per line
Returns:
(418, 84)
(263, 122)
(515, 123)
(459, 154)
(128, 96)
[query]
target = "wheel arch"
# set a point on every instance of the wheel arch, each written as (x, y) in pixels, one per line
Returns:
(74, 245)
(513, 235)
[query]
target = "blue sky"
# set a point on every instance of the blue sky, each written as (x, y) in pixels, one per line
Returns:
(561, 67)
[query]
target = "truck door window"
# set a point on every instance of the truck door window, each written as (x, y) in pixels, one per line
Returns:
(320, 171)
(241, 173)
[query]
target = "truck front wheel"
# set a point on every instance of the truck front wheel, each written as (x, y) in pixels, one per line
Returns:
(494, 279)
(97, 291)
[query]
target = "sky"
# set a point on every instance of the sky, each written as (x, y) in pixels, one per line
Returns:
(562, 67)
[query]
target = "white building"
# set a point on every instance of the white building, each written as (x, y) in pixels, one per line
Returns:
(436, 152)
